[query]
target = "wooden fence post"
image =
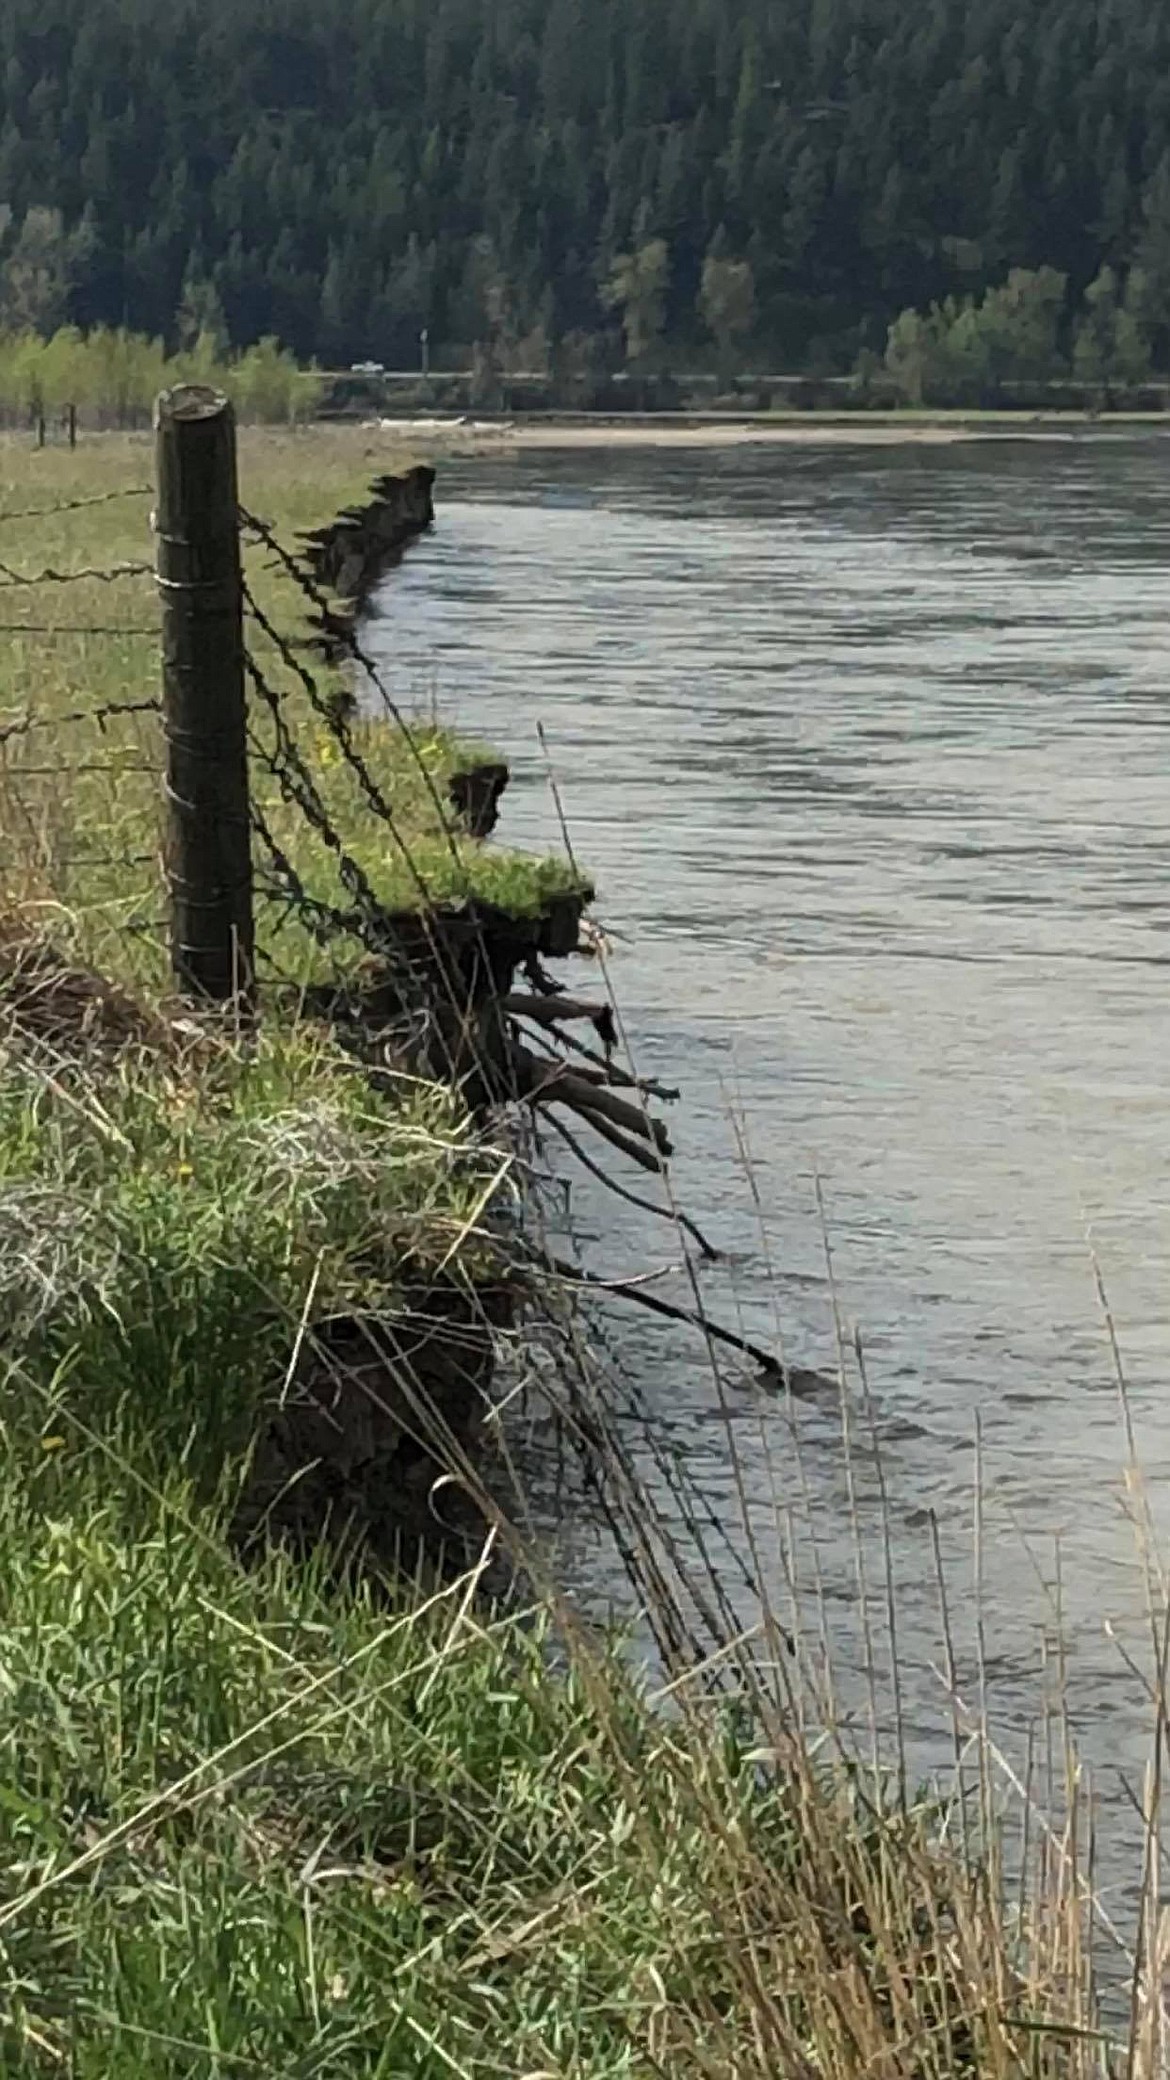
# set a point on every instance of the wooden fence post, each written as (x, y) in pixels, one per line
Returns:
(209, 838)
(71, 424)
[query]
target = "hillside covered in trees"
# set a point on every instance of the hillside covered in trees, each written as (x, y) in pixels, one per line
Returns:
(739, 180)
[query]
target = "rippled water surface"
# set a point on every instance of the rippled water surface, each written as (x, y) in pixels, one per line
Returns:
(870, 753)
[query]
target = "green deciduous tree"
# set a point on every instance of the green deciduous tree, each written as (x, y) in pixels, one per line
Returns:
(268, 387)
(912, 356)
(637, 289)
(727, 306)
(1112, 340)
(970, 352)
(1021, 325)
(1112, 343)
(200, 314)
(37, 272)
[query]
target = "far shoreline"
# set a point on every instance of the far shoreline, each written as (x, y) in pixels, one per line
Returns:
(831, 429)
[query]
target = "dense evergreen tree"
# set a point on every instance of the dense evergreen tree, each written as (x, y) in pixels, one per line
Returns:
(655, 173)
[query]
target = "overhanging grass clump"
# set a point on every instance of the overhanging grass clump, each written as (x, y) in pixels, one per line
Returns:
(411, 856)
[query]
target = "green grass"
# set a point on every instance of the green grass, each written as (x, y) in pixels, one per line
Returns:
(161, 1229)
(257, 1818)
(80, 795)
(254, 1824)
(262, 1817)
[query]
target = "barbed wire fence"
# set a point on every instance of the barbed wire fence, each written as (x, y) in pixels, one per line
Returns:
(272, 817)
(263, 779)
(79, 737)
(87, 780)
(248, 782)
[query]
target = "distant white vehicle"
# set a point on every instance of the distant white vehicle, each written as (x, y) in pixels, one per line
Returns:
(368, 368)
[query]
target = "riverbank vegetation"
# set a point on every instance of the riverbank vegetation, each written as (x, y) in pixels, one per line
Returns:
(275, 1811)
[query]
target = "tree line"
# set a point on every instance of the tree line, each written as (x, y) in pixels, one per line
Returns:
(1021, 336)
(582, 184)
(111, 376)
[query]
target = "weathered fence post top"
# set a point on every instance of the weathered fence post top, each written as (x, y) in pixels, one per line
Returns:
(189, 401)
(200, 581)
(195, 447)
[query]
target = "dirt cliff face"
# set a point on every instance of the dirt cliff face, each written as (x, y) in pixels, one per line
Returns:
(376, 1443)
(354, 551)
(379, 1416)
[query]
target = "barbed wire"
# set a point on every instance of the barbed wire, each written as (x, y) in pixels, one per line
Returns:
(361, 916)
(29, 723)
(84, 768)
(344, 632)
(297, 781)
(89, 860)
(369, 922)
(299, 789)
(373, 934)
(74, 628)
(10, 579)
(324, 920)
(77, 505)
(328, 713)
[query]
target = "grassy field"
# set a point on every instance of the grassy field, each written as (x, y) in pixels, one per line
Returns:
(259, 1817)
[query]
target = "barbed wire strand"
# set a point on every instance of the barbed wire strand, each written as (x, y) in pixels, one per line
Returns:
(305, 791)
(72, 628)
(299, 789)
(10, 579)
(78, 505)
(89, 860)
(102, 714)
(325, 920)
(316, 595)
(342, 734)
(337, 724)
(86, 767)
(367, 922)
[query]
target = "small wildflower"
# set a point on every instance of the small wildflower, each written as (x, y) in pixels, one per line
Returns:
(185, 1171)
(52, 1444)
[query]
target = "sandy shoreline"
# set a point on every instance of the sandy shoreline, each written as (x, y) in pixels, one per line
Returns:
(737, 435)
(469, 436)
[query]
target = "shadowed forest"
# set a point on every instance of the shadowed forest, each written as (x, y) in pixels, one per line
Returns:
(649, 183)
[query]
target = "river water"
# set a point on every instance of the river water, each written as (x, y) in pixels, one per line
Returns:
(869, 751)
